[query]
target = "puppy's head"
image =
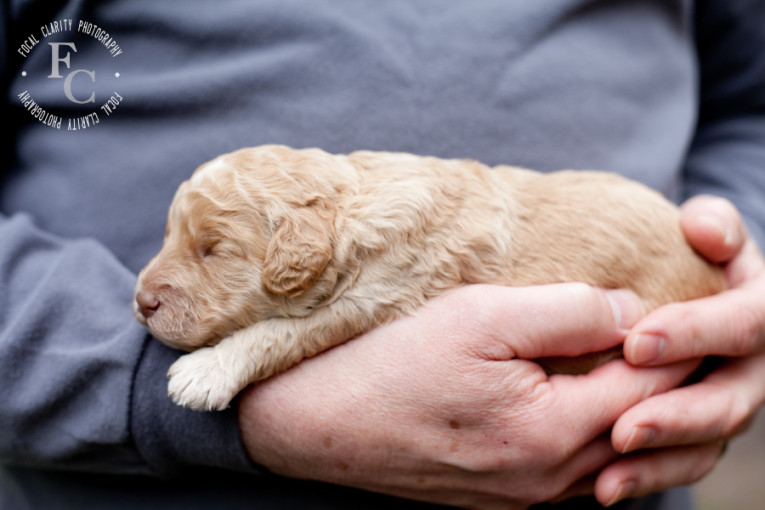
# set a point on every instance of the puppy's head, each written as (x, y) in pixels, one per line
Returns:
(248, 237)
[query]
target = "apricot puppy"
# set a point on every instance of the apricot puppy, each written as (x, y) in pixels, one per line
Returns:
(273, 254)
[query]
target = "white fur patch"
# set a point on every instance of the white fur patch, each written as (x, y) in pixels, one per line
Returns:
(199, 381)
(208, 170)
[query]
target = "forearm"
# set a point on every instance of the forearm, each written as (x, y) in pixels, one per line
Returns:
(79, 373)
(67, 352)
(171, 438)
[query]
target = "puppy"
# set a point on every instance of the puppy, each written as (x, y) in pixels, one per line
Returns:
(272, 255)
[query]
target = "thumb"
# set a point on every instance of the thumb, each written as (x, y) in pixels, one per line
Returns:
(713, 226)
(565, 319)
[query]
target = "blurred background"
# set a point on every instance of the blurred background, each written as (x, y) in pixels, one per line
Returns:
(738, 480)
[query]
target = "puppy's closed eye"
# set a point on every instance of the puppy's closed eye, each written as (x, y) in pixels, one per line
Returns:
(208, 246)
(221, 247)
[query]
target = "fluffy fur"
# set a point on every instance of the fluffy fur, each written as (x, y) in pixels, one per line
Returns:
(273, 254)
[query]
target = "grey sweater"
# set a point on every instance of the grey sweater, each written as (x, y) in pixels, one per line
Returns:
(661, 91)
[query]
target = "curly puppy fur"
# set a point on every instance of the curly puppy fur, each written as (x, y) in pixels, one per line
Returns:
(273, 254)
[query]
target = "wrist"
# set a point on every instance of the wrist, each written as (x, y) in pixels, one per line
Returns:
(172, 439)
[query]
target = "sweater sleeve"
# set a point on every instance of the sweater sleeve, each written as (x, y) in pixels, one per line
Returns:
(83, 386)
(727, 156)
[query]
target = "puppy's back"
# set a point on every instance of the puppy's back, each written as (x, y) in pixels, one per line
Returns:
(604, 230)
(514, 226)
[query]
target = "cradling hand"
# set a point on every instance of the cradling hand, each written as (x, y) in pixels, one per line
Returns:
(678, 436)
(442, 406)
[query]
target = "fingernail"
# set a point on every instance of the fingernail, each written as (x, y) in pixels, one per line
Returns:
(623, 491)
(641, 437)
(715, 223)
(646, 348)
(626, 307)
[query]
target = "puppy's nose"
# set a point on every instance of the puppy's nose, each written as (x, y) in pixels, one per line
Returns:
(147, 303)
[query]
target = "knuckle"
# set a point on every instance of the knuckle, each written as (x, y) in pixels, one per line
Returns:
(489, 464)
(692, 328)
(557, 450)
(480, 461)
(552, 487)
(534, 490)
(473, 320)
(747, 331)
(688, 334)
(587, 300)
(466, 310)
(585, 293)
(739, 414)
(468, 300)
(536, 494)
(709, 456)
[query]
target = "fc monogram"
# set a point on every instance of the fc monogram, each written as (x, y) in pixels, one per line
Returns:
(57, 59)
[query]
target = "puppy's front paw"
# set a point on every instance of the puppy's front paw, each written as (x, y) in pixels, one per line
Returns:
(198, 380)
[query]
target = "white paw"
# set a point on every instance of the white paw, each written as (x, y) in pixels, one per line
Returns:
(199, 381)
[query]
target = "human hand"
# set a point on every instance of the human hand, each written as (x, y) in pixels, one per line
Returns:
(681, 434)
(442, 407)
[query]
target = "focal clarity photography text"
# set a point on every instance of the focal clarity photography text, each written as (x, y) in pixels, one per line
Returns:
(63, 54)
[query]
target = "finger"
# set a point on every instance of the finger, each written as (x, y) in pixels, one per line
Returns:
(575, 476)
(591, 459)
(717, 408)
(643, 474)
(608, 391)
(566, 319)
(728, 324)
(713, 226)
(582, 469)
(583, 487)
(747, 267)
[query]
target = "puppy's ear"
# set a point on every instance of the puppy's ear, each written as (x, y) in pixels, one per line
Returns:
(298, 252)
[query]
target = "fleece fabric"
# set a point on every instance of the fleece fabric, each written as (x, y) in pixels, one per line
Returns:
(109, 105)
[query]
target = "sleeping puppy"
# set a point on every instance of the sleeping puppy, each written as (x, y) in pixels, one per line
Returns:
(272, 254)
